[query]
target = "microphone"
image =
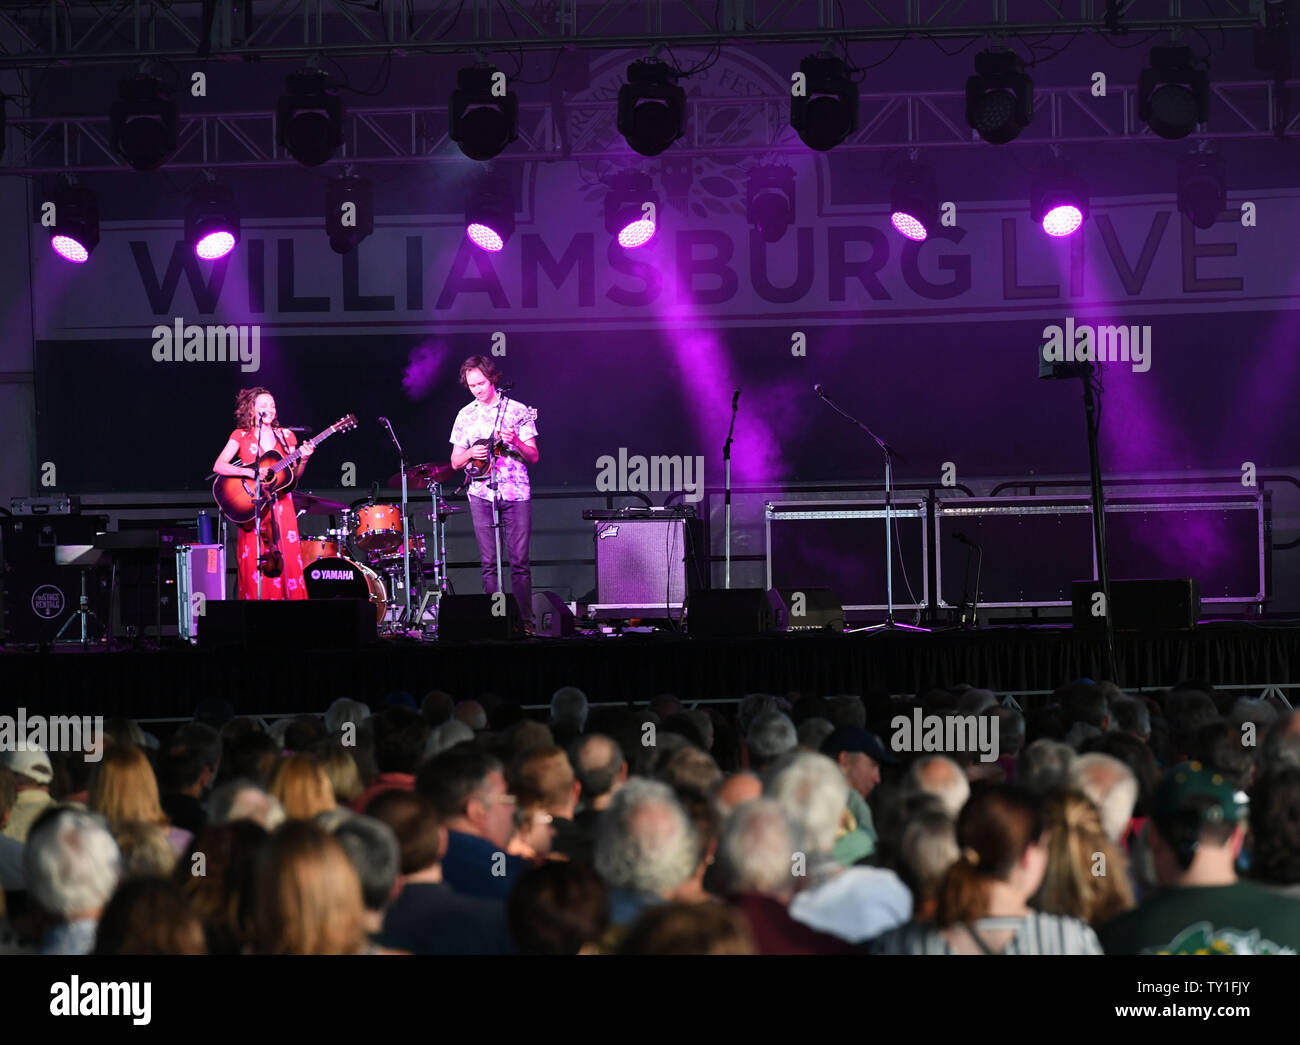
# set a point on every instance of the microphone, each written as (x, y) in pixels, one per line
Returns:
(961, 538)
(505, 386)
(818, 389)
(384, 422)
(297, 428)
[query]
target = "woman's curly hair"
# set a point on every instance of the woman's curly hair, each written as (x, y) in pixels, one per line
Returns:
(244, 405)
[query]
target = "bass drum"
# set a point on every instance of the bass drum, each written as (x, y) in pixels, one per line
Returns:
(337, 578)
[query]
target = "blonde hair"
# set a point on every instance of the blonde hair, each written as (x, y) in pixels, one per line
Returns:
(146, 851)
(307, 895)
(1076, 882)
(124, 789)
(301, 785)
(344, 777)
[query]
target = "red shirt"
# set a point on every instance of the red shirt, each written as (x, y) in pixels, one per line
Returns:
(381, 783)
(775, 932)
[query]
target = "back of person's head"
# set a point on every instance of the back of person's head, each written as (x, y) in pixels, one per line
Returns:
(525, 737)
(451, 779)
(597, 764)
(698, 718)
(340, 769)
(1196, 811)
(1111, 786)
(242, 799)
(300, 785)
(415, 826)
(400, 737)
(995, 828)
(303, 731)
(1253, 709)
(686, 724)
(645, 842)
(976, 702)
(437, 707)
(71, 863)
(927, 849)
(216, 876)
(205, 739)
(680, 928)
(252, 757)
(149, 916)
(342, 712)
(1188, 711)
(940, 776)
(664, 705)
(1222, 746)
(1132, 716)
(471, 712)
(558, 908)
(180, 766)
(1082, 702)
(848, 710)
(812, 790)
(1282, 744)
(569, 707)
(372, 847)
(1086, 875)
(123, 787)
(751, 707)
(755, 850)
(812, 733)
(770, 736)
(1275, 828)
(145, 848)
(1045, 766)
(445, 737)
(543, 777)
(690, 771)
(1011, 729)
(307, 895)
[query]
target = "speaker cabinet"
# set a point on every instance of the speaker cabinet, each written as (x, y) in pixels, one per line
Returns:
(645, 567)
(288, 624)
(1138, 605)
(733, 611)
(470, 618)
(40, 599)
(810, 609)
(551, 617)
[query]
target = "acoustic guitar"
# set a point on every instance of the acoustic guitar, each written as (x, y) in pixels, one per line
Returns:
(496, 448)
(236, 495)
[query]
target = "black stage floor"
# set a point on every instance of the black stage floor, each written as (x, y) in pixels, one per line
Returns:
(170, 682)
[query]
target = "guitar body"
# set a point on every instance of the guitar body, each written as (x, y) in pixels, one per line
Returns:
(496, 448)
(235, 494)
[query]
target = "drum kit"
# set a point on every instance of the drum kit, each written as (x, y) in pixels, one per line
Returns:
(372, 551)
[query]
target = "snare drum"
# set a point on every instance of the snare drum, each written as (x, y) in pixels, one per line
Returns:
(416, 544)
(379, 527)
(337, 578)
(314, 548)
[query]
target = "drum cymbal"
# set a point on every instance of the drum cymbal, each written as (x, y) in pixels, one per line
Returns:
(425, 475)
(311, 503)
(445, 509)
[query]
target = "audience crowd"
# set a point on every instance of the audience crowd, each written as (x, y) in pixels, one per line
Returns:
(1103, 823)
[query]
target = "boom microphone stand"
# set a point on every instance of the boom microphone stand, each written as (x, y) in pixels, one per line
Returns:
(406, 522)
(257, 505)
(726, 458)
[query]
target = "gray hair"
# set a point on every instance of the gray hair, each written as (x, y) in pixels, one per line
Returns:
(372, 849)
(72, 863)
(597, 777)
(928, 848)
(569, 705)
(472, 714)
(1253, 709)
(1045, 765)
(1011, 729)
(1112, 787)
(939, 776)
(1132, 716)
(644, 841)
(814, 794)
(751, 707)
(755, 850)
(345, 710)
(245, 800)
(700, 719)
(813, 732)
(448, 735)
(771, 735)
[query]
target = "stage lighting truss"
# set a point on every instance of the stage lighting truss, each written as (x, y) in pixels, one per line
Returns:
(142, 123)
(631, 209)
(1202, 187)
(1058, 201)
(308, 119)
(914, 203)
(74, 232)
(484, 115)
(489, 213)
(770, 206)
(827, 111)
(1173, 94)
(999, 97)
(349, 212)
(211, 221)
(651, 107)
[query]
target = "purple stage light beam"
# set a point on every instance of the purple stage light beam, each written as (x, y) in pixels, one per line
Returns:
(215, 245)
(70, 249)
(485, 237)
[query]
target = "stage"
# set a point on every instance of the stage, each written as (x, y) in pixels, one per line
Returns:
(169, 683)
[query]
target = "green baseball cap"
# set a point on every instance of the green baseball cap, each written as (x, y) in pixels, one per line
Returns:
(1188, 779)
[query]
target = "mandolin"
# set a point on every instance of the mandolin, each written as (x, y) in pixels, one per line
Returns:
(236, 494)
(496, 448)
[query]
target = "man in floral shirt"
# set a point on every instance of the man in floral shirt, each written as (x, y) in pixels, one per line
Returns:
(507, 482)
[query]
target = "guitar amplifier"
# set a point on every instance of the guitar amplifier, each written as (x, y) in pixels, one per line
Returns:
(645, 567)
(200, 579)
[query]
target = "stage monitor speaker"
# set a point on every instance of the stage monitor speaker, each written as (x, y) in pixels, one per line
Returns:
(724, 612)
(810, 609)
(28, 540)
(645, 567)
(1138, 605)
(40, 599)
(469, 618)
(552, 618)
(288, 624)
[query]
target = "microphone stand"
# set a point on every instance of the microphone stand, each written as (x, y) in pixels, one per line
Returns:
(406, 522)
(726, 458)
(978, 549)
(890, 453)
(492, 485)
(1092, 415)
(257, 506)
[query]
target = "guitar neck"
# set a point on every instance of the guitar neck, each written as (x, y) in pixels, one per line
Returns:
(292, 457)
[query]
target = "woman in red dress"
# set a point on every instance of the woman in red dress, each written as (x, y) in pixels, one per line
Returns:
(281, 556)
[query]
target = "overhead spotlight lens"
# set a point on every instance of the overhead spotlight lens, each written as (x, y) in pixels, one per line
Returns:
(909, 226)
(484, 237)
(70, 249)
(636, 234)
(215, 245)
(1063, 220)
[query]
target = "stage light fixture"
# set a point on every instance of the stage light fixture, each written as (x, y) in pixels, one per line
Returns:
(999, 97)
(349, 212)
(1202, 187)
(489, 213)
(75, 231)
(308, 119)
(651, 107)
(827, 112)
(142, 123)
(770, 206)
(484, 116)
(1058, 201)
(1173, 94)
(914, 203)
(211, 221)
(626, 215)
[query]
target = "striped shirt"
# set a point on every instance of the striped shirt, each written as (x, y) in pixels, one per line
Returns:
(1035, 933)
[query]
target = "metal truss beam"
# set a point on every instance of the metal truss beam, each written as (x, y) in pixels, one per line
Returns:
(81, 32)
(383, 135)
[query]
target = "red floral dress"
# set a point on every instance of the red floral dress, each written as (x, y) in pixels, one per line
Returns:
(289, 585)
